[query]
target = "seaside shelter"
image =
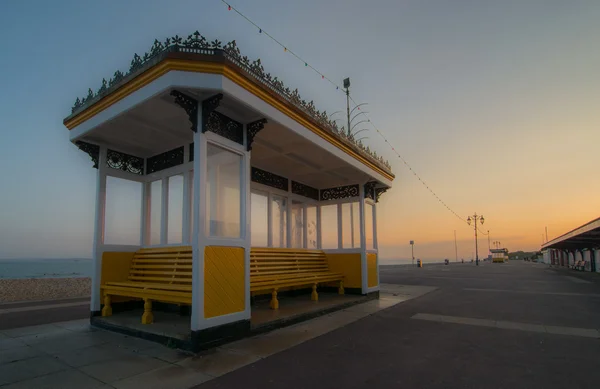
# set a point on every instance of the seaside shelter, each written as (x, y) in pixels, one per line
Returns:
(237, 186)
(578, 248)
(499, 255)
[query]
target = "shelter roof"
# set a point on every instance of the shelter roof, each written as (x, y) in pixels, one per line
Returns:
(197, 47)
(585, 236)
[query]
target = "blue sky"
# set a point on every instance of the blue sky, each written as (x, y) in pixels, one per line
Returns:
(495, 103)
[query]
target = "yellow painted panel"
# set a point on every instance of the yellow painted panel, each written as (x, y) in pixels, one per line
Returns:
(224, 286)
(372, 279)
(349, 266)
(115, 268)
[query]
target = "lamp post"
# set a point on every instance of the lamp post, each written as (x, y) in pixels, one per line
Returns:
(497, 244)
(412, 250)
(474, 219)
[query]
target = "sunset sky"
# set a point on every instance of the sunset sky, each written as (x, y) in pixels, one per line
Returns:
(495, 104)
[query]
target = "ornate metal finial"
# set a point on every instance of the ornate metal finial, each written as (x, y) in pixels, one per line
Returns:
(190, 105)
(208, 106)
(92, 150)
(252, 130)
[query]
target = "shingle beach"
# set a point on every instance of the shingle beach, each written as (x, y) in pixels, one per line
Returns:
(43, 288)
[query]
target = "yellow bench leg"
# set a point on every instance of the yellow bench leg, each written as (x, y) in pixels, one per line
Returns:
(107, 309)
(147, 317)
(314, 296)
(274, 302)
(341, 288)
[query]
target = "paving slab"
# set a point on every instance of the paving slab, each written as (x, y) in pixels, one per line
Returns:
(18, 353)
(171, 377)
(29, 368)
(114, 370)
(218, 362)
(88, 355)
(60, 380)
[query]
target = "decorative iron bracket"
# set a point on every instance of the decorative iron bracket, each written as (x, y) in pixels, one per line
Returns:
(190, 105)
(370, 190)
(252, 130)
(92, 150)
(208, 106)
(339, 192)
(379, 192)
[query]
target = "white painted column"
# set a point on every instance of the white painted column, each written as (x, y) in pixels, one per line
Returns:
(289, 216)
(304, 226)
(352, 225)
(597, 259)
(164, 211)
(319, 235)
(363, 239)
(269, 219)
(185, 219)
(376, 243)
(99, 221)
(340, 227)
(199, 209)
(246, 221)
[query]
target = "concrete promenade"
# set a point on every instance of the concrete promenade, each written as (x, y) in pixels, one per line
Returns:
(512, 325)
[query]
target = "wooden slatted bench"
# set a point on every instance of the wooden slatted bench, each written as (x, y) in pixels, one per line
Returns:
(272, 269)
(156, 274)
(165, 275)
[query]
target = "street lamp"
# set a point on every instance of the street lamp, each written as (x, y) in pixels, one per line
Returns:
(474, 219)
(496, 244)
(412, 250)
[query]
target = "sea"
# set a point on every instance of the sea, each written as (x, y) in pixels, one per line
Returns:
(81, 267)
(45, 268)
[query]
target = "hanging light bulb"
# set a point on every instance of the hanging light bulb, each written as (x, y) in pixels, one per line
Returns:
(228, 7)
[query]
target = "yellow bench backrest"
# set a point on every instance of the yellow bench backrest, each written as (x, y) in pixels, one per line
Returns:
(169, 265)
(272, 261)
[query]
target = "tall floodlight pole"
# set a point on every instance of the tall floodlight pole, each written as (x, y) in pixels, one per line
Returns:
(489, 248)
(412, 250)
(476, 218)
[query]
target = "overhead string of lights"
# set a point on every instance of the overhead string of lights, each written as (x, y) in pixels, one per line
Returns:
(337, 87)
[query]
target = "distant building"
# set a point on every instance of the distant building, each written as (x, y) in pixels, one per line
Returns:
(576, 247)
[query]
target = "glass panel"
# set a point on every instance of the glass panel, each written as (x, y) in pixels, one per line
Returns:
(175, 208)
(369, 225)
(329, 226)
(297, 224)
(311, 228)
(223, 192)
(259, 203)
(356, 223)
(350, 225)
(123, 211)
(279, 221)
(155, 211)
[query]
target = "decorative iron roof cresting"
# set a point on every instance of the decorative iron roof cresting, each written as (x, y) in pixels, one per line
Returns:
(198, 44)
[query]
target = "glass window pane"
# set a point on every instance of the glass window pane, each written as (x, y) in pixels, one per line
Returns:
(223, 195)
(155, 211)
(297, 224)
(279, 221)
(329, 226)
(347, 233)
(356, 223)
(311, 227)
(259, 219)
(369, 225)
(175, 208)
(123, 211)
